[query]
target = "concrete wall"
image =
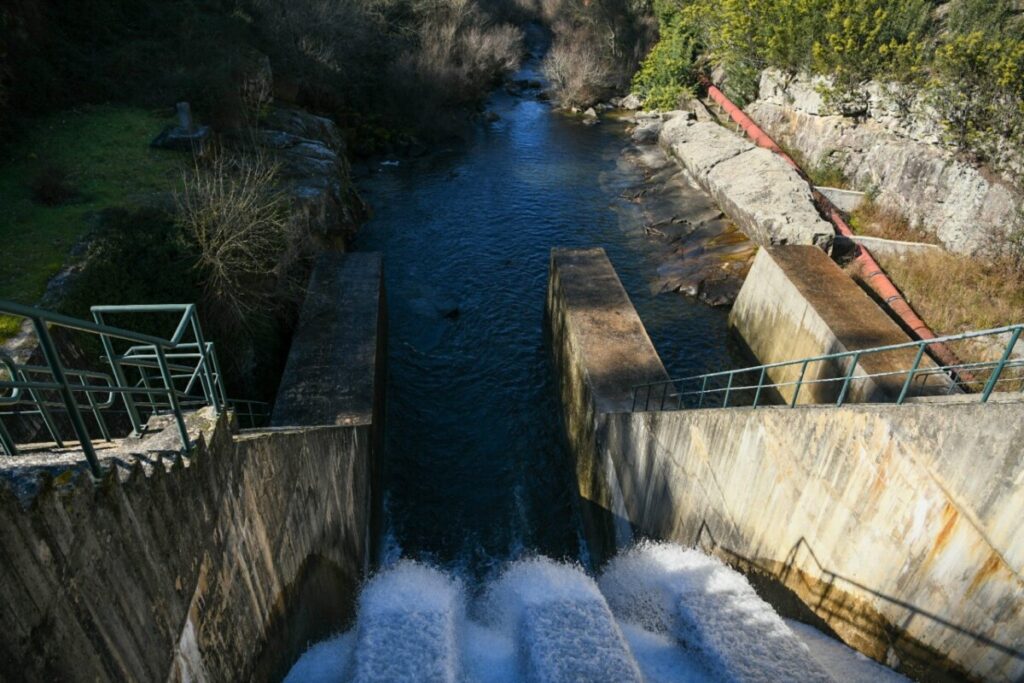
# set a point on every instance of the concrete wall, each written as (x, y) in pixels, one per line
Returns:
(797, 303)
(601, 350)
(223, 564)
(896, 528)
(182, 574)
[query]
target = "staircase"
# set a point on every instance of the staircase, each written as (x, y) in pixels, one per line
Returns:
(658, 613)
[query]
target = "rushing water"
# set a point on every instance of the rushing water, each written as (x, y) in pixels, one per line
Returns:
(475, 472)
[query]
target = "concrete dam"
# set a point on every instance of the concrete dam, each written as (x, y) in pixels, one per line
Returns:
(498, 452)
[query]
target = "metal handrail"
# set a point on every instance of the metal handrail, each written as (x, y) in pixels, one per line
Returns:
(666, 392)
(184, 358)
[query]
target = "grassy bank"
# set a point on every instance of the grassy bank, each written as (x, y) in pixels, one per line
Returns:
(952, 292)
(56, 179)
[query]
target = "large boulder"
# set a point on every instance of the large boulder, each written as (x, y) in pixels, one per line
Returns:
(761, 193)
(316, 172)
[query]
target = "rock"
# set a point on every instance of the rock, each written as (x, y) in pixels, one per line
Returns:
(897, 156)
(763, 195)
(646, 132)
(315, 172)
(590, 113)
(184, 137)
(615, 102)
(631, 102)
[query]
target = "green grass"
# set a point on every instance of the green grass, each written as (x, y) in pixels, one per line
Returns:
(105, 151)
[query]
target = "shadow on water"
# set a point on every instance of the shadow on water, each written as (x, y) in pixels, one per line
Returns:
(475, 470)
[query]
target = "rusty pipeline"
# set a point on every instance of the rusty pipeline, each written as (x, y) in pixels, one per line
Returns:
(871, 272)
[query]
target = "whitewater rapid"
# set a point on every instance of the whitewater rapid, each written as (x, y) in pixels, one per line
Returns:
(657, 613)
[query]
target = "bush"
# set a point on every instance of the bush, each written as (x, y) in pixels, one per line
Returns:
(861, 40)
(669, 73)
(577, 73)
(238, 223)
(52, 187)
(978, 90)
(597, 48)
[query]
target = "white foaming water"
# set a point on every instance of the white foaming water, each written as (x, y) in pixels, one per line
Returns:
(713, 609)
(660, 613)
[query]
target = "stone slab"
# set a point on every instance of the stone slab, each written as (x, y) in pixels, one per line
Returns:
(338, 349)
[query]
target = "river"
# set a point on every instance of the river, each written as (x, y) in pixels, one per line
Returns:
(475, 472)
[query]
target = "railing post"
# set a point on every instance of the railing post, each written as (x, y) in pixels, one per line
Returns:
(172, 397)
(119, 378)
(703, 390)
(910, 377)
(799, 383)
(664, 395)
(204, 354)
(96, 414)
(57, 370)
(728, 390)
(6, 442)
(849, 377)
(994, 379)
(760, 384)
(632, 408)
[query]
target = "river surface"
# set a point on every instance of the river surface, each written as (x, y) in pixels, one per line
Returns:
(475, 470)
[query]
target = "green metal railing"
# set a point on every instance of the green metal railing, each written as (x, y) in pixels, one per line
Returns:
(150, 374)
(725, 389)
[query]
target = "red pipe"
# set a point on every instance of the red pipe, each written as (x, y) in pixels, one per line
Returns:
(871, 272)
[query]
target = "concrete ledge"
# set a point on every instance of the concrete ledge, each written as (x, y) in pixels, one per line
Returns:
(338, 350)
(763, 195)
(797, 303)
(601, 351)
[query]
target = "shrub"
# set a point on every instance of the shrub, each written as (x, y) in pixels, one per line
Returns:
(577, 72)
(669, 73)
(860, 40)
(597, 48)
(978, 90)
(238, 224)
(52, 186)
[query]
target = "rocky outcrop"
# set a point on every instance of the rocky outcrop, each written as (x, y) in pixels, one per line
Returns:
(897, 157)
(316, 172)
(764, 196)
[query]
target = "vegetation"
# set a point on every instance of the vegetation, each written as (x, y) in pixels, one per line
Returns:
(57, 180)
(238, 223)
(954, 293)
(966, 63)
(597, 46)
(378, 66)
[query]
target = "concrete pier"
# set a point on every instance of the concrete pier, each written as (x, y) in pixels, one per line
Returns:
(601, 351)
(896, 527)
(797, 303)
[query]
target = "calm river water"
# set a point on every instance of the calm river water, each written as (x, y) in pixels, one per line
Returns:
(475, 472)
